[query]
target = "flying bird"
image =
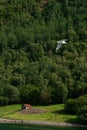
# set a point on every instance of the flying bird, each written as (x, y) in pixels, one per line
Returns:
(60, 43)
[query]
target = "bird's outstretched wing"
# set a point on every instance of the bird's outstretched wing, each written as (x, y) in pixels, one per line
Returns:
(60, 43)
(58, 46)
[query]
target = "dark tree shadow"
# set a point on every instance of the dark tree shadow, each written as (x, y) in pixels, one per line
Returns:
(59, 112)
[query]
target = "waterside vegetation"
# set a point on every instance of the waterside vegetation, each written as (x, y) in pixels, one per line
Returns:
(55, 113)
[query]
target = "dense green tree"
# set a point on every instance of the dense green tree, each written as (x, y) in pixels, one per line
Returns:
(12, 93)
(45, 95)
(3, 39)
(12, 40)
(30, 94)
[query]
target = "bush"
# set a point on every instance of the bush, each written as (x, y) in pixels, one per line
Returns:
(82, 111)
(3, 101)
(12, 93)
(73, 106)
(82, 115)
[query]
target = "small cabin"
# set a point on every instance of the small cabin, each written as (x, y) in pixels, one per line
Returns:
(26, 106)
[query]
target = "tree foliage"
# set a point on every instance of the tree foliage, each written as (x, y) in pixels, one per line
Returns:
(29, 65)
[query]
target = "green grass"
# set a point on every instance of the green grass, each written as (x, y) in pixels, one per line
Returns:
(54, 113)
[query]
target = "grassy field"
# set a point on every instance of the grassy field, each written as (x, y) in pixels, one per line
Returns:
(54, 113)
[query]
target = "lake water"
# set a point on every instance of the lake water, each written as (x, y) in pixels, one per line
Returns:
(35, 127)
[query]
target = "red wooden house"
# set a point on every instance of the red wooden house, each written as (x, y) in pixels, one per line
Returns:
(26, 106)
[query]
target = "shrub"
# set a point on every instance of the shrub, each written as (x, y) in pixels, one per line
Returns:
(73, 106)
(3, 101)
(12, 93)
(82, 108)
(82, 115)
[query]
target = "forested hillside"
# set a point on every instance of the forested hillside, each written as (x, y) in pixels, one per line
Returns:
(30, 69)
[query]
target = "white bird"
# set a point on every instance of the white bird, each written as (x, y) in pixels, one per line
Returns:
(60, 44)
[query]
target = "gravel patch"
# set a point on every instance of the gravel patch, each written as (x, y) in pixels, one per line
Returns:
(33, 111)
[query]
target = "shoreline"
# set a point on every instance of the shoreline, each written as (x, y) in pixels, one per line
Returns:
(48, 123)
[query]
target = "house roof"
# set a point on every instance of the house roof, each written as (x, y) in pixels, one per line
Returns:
(27, 105)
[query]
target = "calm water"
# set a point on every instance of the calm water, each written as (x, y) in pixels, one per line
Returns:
(34, 127)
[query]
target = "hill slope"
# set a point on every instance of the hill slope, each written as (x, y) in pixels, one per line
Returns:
(30, 70)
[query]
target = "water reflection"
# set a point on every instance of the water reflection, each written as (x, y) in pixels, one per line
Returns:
(35, 127)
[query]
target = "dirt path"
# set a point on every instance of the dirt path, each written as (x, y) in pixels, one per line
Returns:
(2, 120)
